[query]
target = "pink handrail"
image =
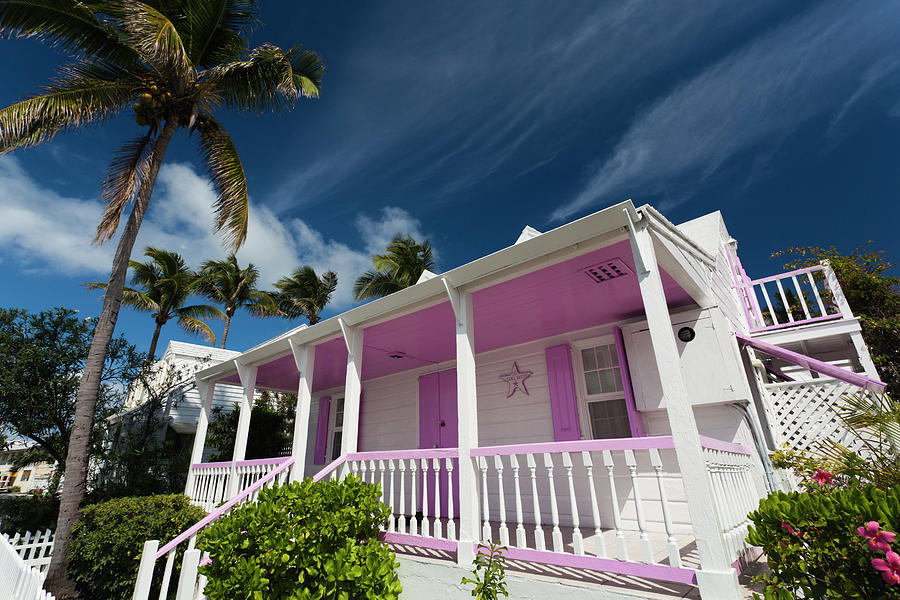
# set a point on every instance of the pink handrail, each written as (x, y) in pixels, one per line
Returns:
(661, 442)
(793, 273)
(241, 463)
(224, 508)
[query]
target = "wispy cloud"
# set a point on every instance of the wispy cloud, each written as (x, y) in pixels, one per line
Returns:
(801, 70)
(45, 231)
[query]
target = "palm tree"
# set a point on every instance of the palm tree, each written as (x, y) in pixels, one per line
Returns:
(166, 283)
(305, 294)
(173, 62)
(399, 267)
(225, 282)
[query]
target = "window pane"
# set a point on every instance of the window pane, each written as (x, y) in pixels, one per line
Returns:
(336, 446)
(609, 419)
(592, 383)
(613, 355)
(603, 357)
(608, 380)
(589, 360)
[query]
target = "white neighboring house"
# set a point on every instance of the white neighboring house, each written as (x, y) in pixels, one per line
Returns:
(32, 477)
(599, 398)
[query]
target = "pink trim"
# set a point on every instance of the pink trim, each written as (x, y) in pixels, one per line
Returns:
(563, 401)
(787, 275)
(321, 448)
(399, 454)
(714, 444)
(211, 465)
(417, 540)
(605, 565)
(262, 461)
(223, 509)
(634, 417)
(642, 443)
(741, 288)
(813, 364)
(326, 471)
(827, 317)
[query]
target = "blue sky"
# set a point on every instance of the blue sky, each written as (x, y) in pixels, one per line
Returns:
(466, 121)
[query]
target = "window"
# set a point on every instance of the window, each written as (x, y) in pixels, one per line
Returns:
(335, 428)
(605, 413)
(25, 476)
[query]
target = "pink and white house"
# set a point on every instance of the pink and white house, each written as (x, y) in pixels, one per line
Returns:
(599, 398)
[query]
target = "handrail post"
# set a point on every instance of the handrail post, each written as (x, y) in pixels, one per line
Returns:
(353, 337)
(247, 375)
(304, 358)
(206, 389)
(187, 582)
(145, 570)
(862, 351)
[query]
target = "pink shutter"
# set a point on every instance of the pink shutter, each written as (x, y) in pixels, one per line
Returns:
(634, 417)
(322, 430)
(563, 403)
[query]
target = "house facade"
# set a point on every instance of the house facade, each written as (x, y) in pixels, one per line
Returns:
(32, 477)
(599, 397)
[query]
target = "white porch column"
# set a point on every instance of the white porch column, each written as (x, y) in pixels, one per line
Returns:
(716, 579)
(856, 338)
(304, 357)
(205, 389)
(467, 408)
(353, 336)
(247, 375)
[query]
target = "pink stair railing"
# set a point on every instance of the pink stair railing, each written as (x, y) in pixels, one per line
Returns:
(259, 474)
(208, 486)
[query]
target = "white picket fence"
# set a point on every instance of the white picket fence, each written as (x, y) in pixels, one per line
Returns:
(34, 549)
(18, 580)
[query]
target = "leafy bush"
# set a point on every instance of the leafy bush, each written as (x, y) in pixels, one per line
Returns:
(108, 541)
(302, 540)
(818, 542)
(35, 512)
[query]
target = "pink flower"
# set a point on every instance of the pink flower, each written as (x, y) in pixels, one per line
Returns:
(823, 477)
(889, 567)
(875, 538)
(787, 527)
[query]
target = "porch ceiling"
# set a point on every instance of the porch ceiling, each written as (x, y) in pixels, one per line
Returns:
(549, 301)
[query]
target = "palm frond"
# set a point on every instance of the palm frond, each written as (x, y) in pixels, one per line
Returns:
(261, 304)
(307, 70)
(123, 178)
(201, 311)
(155, 37)
(227, 174)
(375, 284)
(75, 27)
(84, 92)
(197, 327)
(218, 29)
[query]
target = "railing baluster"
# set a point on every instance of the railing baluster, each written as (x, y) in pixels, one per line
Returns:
(554, 511)
(167, 575)
(363, 471)
(672, 544)
(403, 495)
(392, 524)
(621, 549)
(595, 508)
(486, 535)
(438, 528)
(425, 524)
(646, 550)
(787, 306)
(577, 539)
(413, 496)
(801, 297)
(504, 532)
(769, 304)
(381, 479)
(539, 542)
(815, 289)
(520, 527)
(451, 522)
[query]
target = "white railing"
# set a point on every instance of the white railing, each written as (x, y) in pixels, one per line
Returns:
(614, 505)
(790, 299)
(35, 549)
(736, 493)
(418, 485)
(208, 482)
(18, 580)
(190, 585)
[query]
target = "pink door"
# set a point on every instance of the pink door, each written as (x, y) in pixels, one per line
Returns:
(438, 428)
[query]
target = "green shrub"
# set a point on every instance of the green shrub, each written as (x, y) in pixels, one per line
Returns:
(108, 541)
(35, 512)
(813, 546)
(488, 572)
(302, 540)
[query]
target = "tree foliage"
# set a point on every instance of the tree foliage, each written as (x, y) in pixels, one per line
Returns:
(873, 295)
(271, 427)
(401, 265)
(304, 294)
(42, 357)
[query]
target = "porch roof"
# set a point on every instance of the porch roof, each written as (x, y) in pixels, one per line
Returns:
(534, 289)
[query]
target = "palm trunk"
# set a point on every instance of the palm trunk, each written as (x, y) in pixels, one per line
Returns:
(58, 582)
(225, 333)
(151, 354)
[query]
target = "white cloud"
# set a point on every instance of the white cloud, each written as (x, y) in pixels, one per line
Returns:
(44, 230)
(802, 70)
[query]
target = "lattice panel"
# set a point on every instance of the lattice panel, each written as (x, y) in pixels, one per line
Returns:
(801, 413)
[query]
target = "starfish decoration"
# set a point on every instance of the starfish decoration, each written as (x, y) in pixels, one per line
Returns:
(516, 380)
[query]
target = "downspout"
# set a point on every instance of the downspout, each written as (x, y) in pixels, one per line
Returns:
(755, 431)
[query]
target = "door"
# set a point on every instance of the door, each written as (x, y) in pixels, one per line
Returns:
(438, 428)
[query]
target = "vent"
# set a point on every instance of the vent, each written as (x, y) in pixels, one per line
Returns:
(610, 269)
